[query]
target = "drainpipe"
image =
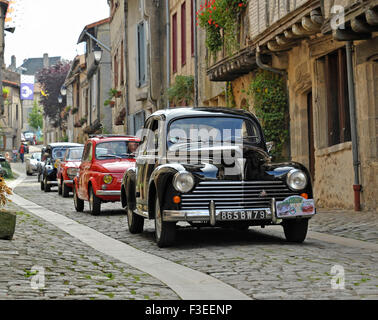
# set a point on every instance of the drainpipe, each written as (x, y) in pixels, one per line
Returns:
(168, 53)
(353, 125)
(195, 55)
(263, 66)
(126, 59)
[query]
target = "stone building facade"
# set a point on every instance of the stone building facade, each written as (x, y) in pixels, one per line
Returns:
(299, 40)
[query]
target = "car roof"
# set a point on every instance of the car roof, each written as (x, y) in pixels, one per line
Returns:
(103, 138)
(201, 111)
(64, 144)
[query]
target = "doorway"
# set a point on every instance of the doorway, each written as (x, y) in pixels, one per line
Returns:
(310, 124)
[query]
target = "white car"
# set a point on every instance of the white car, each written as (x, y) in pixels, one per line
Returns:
(32, 163)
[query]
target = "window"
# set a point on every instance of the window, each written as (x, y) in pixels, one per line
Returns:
(336, 82)
(174, 43)
(141, 54)
(122, 65)
(183, 33)
(87, 155)
(115, 71)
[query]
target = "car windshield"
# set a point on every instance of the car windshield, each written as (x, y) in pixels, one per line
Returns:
(212, 130)
(36, 156)
(116, 150)
(58, 153)
(75, 154)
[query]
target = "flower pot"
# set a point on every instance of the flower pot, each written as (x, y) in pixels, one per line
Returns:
(111, 104)
(7, 225)
(118, 94)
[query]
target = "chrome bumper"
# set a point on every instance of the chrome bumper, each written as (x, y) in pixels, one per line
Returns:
(68, 181)
(53, 183)
(212, 215)
(108, 193)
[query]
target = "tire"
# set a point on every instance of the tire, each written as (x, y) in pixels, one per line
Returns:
(295, 230)
(94, 203)
(47, 186)
(65, 191)
(42, 185)
(60, 188)
(78, 203)
(165, 232)
(134, 221)
(39, 177)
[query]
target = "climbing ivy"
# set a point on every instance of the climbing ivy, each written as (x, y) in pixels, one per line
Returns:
(230, 98)
(220, 20)
(270, 104)
(182, 91)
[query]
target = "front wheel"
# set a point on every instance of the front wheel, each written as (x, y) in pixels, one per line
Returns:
(94, 203)
(42, 185)
(65, 190)
(79, 204)
(134, 221)
(295, 230)
(60, 188)
(165, 232)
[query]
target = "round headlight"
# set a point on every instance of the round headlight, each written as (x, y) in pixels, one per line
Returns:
(296, 179)
(183, 181)
(108, 179)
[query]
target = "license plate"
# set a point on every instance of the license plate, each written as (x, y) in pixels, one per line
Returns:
(255, 214)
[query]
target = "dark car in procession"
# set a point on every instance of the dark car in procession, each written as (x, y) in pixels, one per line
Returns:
(54, 153)
(211, 167)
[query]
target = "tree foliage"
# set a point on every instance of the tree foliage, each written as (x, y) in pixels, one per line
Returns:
(35, 118)
(182, 91)
(51, 80)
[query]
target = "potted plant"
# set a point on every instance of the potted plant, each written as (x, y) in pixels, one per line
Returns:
(5, 93)
(109, 103)
(114, 93)
(83, 120)
(74, 110)
(7, 218)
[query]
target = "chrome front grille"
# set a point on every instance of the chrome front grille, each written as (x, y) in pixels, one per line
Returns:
(235, 194)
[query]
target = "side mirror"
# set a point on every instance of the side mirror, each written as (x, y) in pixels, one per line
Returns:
(269, 146)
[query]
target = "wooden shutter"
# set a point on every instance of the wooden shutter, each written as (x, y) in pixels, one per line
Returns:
(183, 33)
(174, 43)
(141, 55)
(192, 28)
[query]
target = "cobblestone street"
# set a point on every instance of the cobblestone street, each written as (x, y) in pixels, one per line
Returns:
(258, 262)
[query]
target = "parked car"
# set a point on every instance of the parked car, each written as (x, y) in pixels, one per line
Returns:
(41, 164)
(31, 163)
(53, 155)
(211, 167)
(29, 137)
(105, 159)
(68, 169)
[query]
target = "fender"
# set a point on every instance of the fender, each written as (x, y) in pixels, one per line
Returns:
(159, 179)
(128, 182)
(93, 182)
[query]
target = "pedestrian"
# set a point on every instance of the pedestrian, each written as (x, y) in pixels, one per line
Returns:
(34, 140)
(21, 151)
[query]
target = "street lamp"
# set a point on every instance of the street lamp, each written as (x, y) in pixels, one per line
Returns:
(63, 90)
(97, 53)
(60, 99)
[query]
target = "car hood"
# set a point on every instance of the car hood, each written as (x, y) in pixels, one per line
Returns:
(73, 164)
(115, 166)
(237, 162)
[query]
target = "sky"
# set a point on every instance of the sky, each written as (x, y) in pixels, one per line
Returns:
(51, 26)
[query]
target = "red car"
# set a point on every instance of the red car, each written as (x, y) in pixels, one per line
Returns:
(68, 169)
(105, 159)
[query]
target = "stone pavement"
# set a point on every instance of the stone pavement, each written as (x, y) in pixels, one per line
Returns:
(71, 269)
(259, 262)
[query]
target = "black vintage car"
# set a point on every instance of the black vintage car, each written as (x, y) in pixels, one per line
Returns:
(211, 167)
(54, 152)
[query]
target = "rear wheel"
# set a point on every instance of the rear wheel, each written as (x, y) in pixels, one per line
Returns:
(94, 203)
(295, 230)
(79, 204)
(47, 186)
(134, 221)
(165, 232)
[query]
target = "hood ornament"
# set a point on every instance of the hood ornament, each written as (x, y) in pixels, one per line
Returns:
(263, 193)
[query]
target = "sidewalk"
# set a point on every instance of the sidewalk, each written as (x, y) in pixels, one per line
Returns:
(361, 225)
(70, 269)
